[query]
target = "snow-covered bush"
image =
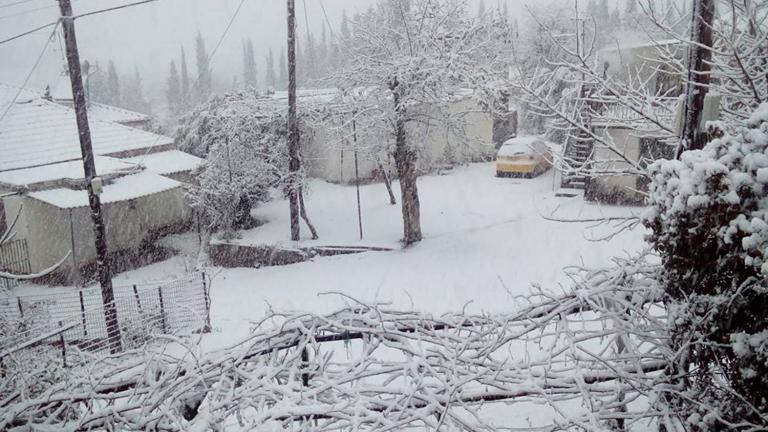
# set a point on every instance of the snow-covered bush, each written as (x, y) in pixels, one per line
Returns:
(709, 223)
(243, 142)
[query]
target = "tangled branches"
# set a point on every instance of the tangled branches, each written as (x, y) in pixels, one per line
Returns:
(377, 369)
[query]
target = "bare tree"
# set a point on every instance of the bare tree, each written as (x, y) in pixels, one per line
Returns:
(416, 54)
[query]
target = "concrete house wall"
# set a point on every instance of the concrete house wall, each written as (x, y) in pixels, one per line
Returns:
(52, 232)
(330, 159)
(620, 188)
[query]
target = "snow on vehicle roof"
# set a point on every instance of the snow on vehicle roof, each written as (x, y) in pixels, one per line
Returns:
(65, 170)
(39, 132)
(122, 189)
(167, 162)
(526, 144)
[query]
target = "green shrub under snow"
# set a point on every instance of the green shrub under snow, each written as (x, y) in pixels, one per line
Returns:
(708, 218)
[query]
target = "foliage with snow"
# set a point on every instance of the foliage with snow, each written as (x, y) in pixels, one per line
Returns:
(709, 223)
(245, 155)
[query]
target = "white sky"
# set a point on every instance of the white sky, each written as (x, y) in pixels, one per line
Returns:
(148, 36)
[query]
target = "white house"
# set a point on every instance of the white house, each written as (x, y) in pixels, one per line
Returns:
(42, 184)
(638, 139)
(331, 156)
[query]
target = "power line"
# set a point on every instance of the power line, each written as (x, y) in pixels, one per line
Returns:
(32, 71)
(74, 17)
(113, 8)
(226, 30)
(28, 32)
(15, 3)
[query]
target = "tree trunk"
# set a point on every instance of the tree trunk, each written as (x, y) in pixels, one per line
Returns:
(405, 160)
(387, 183)
(699, 58)
(293, 131)
(303, 212)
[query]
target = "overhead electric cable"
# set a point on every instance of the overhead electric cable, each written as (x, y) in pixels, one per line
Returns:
(29, 75)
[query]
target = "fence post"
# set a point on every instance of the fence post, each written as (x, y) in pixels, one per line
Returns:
(207, 299)
(138, 300)
(82, 313)
(305, 366)
(162, 308)
(63, 345)
(21, 309)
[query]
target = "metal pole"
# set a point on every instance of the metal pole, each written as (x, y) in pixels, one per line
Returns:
(207, 298)
(89, 167)
(357, 181)
(293, 130)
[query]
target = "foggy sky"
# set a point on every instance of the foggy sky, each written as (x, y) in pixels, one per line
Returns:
(147, 37)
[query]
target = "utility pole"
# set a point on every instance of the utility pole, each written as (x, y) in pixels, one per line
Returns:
(699, 59)
(89, 166)
(293, 130)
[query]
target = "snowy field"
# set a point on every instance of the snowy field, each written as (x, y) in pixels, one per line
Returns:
(485, 242)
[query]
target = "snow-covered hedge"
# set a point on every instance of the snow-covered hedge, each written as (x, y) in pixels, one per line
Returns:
(708, 218)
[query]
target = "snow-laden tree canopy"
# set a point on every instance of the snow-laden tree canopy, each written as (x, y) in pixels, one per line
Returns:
(242, 138)
(709, 222)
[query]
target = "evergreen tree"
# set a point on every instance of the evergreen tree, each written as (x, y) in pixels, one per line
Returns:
(184, 81)
(173, 93)
(133, 98)
(270, 78)
(283, 70)
(345, 40)
(630, 7)
(481, 9)
(249, 65)
(322, 55)
(113, 85)
(204, 81)
(96, 85)
(310, 64)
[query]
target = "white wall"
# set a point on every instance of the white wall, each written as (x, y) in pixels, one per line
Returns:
(330, 159)
(51, 235)
(628, 144)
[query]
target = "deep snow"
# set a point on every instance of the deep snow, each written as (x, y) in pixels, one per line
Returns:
(485, 242)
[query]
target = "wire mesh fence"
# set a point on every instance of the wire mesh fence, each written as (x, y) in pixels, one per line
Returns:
(71, 322)
(14, 258)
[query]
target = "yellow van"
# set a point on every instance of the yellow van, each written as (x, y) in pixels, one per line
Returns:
(524, 156)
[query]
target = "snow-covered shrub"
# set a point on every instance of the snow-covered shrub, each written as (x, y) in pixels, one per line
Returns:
(709, 223)
(243, 142)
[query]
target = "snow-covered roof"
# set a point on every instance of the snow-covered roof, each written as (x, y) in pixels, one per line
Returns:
(122, 189)
(72, 170)
(38, 132)
(644, 44)
(312, 95)
(167, 162)
(111, 113)
(8, 92)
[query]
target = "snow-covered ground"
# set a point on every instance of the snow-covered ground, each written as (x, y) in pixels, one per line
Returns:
(485, 242)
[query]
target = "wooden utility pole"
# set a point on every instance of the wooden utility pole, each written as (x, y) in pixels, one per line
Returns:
(89, 166)
(293, 129)
(699, 59)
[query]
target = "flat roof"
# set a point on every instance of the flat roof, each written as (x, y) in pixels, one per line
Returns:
(122, 189)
